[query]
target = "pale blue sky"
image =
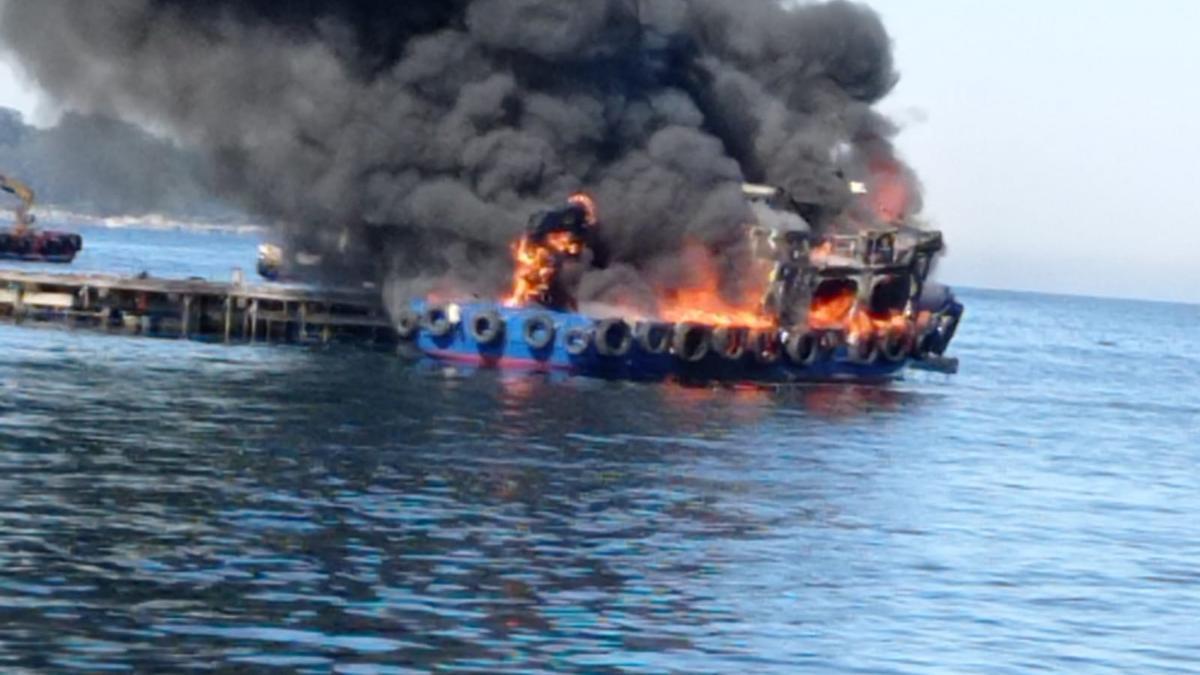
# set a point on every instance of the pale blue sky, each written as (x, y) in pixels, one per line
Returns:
(1060, 140)
(1057, 140)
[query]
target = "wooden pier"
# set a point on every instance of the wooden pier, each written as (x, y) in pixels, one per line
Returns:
(196, 309)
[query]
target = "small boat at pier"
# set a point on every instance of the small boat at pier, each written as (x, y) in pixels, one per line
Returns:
(23, 242)
(41, 246)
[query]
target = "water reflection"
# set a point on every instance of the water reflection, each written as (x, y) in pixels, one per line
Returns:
(192, 503)
(843, 402)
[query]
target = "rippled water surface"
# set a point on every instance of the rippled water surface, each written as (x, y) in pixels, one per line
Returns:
(169, 505)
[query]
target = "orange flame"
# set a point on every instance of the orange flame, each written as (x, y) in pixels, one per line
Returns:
(536, 265)
(701, 301)
(822, 252)
(585, 201)
(833, 311)
(864, 324)
(841, 311)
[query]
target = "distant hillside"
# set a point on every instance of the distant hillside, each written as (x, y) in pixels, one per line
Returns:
(105, 167)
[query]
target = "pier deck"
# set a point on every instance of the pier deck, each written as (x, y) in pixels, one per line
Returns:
(196, 309)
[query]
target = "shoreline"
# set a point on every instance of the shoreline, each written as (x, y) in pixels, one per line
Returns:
(51, 218)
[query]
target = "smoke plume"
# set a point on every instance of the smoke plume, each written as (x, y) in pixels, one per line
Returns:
(417, 137)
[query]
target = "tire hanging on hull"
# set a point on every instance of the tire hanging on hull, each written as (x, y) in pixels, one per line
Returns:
(538, 332)
(487, 327)
(437, 321)
(690, 342)
(613, 338)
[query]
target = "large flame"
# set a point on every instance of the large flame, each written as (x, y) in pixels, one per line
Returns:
(585, 201)
(697, 300)
(536, 265)
(537, 262)
(833, 311)
(841, 311)
(701, 301)
(700, 298)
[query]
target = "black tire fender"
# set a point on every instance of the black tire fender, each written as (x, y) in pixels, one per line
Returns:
(803, 349)
(895, 346)
(865, 349)
(408, 325)
(729, 342)
(538, 331)
(577, 340)
(487, 327)
(613, 337)
(930, 344)
(828, 343)
(764, 347)
(653, 338)
(437, 321)
(690, 342)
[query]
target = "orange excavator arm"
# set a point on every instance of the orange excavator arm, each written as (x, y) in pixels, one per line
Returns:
(25, 194)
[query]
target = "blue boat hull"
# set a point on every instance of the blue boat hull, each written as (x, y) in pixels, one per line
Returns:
(510, 349)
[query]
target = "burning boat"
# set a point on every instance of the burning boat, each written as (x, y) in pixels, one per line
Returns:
(841, 307)
(23, 242)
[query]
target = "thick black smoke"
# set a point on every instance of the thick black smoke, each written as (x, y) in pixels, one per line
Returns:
(105, 167)
(421, 134)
